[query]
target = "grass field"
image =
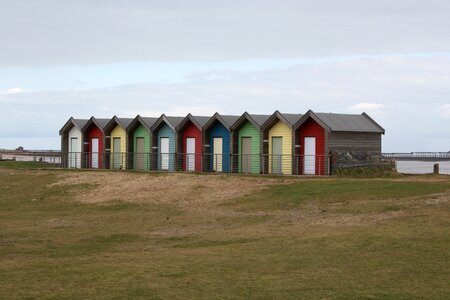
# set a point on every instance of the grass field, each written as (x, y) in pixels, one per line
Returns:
(329, 238)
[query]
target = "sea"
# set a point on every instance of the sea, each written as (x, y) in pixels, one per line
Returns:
(422, 167)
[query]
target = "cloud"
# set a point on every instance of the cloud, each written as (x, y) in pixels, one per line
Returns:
(366, 106)
(412, 88)
(203, 30)
(11, 91)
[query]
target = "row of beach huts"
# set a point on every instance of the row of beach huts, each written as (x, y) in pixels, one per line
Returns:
(280, 143)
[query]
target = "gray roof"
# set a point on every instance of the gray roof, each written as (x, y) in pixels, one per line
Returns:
(102, 122)
(201, 120)
(347, 122)
(126, 121)
(80, 122)
(230, 120)
(149, 121)
(260, 119)
(292, 118)
(175, 121)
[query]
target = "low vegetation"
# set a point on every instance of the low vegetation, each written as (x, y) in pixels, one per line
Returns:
(327, 238)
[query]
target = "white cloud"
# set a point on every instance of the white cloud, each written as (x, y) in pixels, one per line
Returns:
(330, 87)
(366, 106)
(11, 91)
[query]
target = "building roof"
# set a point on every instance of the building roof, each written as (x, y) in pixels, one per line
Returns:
(229, 119)
(102, 122)
(344, 122)
(289, 119)
(149, 121)
(79, 123)
(201, 120)
(175, 121)
(260, 119)
(292, 118)
(126, 121)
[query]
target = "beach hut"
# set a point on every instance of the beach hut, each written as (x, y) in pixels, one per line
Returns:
(164, 143)
(278, 143)
(218, 140)
(72, 142)
(246, 133)
(190, 142)
(93, 143)
(116, 142)
(322, 135)
(140, 143)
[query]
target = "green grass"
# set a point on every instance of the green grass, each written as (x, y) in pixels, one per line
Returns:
(326, 192)
(314, 239)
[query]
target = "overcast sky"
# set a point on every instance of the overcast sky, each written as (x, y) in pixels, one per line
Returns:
(80, 58)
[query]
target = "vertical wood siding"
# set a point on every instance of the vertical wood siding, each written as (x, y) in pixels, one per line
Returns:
(218, 130)
(95, 132)
(74, 158)
(191, 131)
(282, 130)
(142, 132)
(166, 131)
(248, 130)
(119, 132)
(312, 129)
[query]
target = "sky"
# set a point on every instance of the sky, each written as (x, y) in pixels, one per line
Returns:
(83, 58)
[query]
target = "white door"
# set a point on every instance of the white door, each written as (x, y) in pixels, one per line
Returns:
(94, 161)
(74, 155)
(309, 165)
(217, 154)
(190, 154)
(164, 151)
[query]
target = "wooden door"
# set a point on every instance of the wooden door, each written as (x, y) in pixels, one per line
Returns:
(217, 154)
(309, 165)
(277, 154)
(139, 162)
(94, 154)
(190, 154)
(164, 152)
(74, 155)
(116, 153)
(246, 155)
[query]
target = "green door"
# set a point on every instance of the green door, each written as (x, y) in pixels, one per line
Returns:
(140, 153)
(246, 155)
(277, 154)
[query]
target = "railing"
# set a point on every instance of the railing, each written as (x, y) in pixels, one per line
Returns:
(194, 162)
(417, 155)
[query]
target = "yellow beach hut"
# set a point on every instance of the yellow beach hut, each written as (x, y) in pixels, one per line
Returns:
(116, 142)
(278, 146)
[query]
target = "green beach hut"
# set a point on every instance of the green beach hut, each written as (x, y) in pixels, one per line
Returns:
(246, 132)
(140, 143)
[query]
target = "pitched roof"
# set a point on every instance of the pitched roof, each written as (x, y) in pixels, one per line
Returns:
(348, 122)
(149, 121)
(79, 123)
(292, 118)
(229, 119)
(201, 120)
(126, 121)
(102, 122)
(343, 122)
(175, 121)
(260, 119)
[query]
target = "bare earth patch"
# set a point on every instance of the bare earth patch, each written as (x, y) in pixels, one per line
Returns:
(175, 188)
